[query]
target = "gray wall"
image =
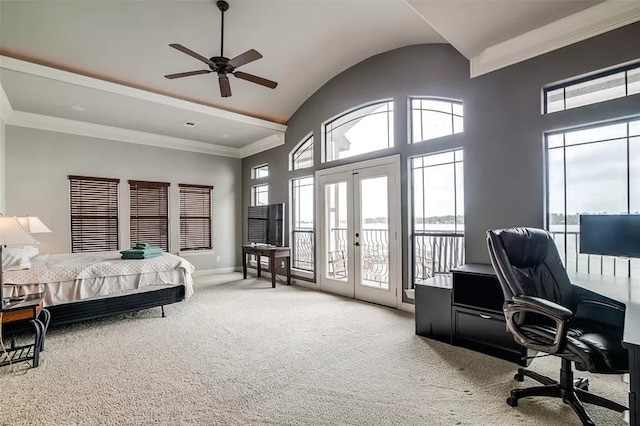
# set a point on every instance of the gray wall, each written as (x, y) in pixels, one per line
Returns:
(504, 126)
(2, 164)
(424, 70)
(38, 163)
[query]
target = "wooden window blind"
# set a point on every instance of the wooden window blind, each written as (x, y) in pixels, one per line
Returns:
(195, 217)
(94, 213)
(149, 212)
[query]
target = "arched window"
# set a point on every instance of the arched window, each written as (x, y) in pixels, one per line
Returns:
(302, 155)
(433, 118)
(366, 129)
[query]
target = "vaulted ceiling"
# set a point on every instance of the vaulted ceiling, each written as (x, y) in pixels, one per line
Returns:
(109, 57)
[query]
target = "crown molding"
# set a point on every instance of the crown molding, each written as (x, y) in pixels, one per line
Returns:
(31, 68)
(582, 25)
(82, 128)
(5, 106)
(262, 145)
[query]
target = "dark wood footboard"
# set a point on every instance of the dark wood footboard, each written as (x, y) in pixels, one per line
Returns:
(98, 308)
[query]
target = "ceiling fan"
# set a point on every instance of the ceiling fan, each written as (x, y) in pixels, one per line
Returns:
(224, 66)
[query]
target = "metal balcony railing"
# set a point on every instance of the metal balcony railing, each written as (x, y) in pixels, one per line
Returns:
(568, 245)
(303, 249)
(436, 253)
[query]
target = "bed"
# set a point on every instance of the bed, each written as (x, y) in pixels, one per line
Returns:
(83, 286)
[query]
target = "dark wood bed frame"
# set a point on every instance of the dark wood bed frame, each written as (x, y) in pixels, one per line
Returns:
(97, 308)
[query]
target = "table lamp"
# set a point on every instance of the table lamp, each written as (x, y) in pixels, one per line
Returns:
(33, 225)
(12, 232)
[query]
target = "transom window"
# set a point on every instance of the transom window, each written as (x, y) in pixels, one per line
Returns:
(603, 86)
(302, 156)
(366, 129)
(434, 118)
(260, 171)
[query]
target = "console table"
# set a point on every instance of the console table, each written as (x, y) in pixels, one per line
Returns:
(272, 253)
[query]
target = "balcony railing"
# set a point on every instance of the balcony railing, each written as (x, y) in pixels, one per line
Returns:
(436, 253)
(303, 249)
(569, 248)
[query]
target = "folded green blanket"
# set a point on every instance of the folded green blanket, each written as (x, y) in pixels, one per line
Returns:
(142, 246)
(139, 255)
(145, 253)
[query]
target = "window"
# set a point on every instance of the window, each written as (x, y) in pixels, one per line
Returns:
(260, 171)
(593, 169)
(94, 213)
(437, 196)
(363, 130)
(603, 86)
(302, 156)
(434, 118)
(149, 213)
(302, 229)
(260, 195)
(195, 217)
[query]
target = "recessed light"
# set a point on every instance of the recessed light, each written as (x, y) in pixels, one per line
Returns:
(190, 123)
(76, 107)
(225, 135)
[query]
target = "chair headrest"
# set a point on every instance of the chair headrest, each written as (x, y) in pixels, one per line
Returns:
(525, 247)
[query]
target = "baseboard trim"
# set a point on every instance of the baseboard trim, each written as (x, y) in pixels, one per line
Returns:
(217, 271)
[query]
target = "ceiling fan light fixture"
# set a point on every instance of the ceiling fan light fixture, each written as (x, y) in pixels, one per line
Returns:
(222, 65)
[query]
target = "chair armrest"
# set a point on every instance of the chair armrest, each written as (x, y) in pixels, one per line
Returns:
(544, 307)
(559, 314)
(588, 297)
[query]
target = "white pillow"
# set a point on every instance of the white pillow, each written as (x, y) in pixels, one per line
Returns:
(16, 258)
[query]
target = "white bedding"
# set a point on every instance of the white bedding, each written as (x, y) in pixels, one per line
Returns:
(72, 277)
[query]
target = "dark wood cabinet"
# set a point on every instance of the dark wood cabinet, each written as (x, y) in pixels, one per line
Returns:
(465, 309)
(433, 308)
(478, 320)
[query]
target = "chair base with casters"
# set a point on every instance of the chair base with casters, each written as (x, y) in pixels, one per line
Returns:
(573, 392)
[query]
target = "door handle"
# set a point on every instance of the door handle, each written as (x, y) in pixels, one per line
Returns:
(357, 244)
(485, 316)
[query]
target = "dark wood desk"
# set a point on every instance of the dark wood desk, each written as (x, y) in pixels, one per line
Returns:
(625, 290)
(272, 253)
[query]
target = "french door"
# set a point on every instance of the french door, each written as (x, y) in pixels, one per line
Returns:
(359, 249)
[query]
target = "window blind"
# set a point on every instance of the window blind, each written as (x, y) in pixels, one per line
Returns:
(94, 213)
(195, 217)
(149, 212)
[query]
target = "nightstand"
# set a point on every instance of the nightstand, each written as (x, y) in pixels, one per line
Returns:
(15, 315)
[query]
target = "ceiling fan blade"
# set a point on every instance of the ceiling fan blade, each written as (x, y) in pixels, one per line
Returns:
(186, 74)
(255, 79)
(225, 88)
(192, 54)
(245, 58)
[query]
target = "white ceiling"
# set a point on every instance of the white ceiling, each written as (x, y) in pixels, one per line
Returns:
(304, 44)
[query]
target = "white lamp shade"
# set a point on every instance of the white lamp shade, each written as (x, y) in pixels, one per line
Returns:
(12, 232)
(33, 225)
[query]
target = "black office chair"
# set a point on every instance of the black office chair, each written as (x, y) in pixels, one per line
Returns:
(545, 312)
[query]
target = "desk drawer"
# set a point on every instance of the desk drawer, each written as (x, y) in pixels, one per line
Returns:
(485, 328)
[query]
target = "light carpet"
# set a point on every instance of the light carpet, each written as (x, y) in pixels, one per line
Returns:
(240, 352)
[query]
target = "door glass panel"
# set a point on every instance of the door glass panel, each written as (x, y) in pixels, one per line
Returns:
(374, 233)
(336, 214)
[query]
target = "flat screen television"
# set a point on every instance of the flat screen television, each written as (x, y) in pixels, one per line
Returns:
(266, 224)
(610, 234)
